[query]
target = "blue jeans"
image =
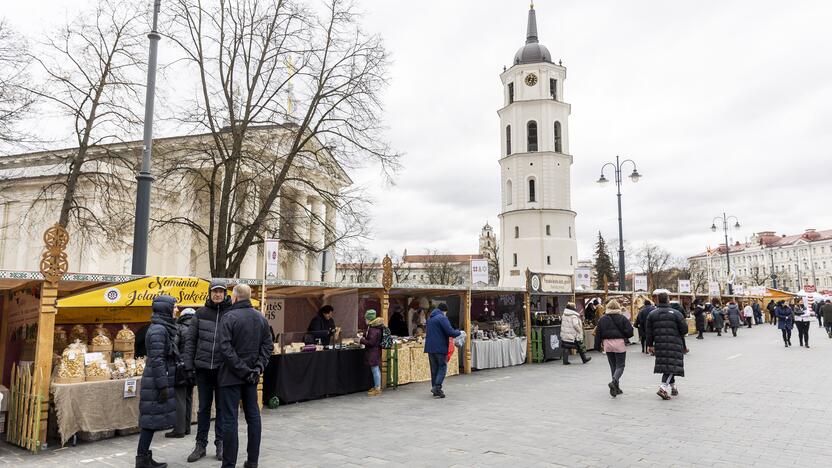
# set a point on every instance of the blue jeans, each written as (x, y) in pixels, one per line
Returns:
(438, 368)
(376, 370)
(230, 402)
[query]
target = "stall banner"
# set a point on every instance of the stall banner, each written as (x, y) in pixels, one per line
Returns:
(684, 286)
(188, 292)
(713, 288)
(274, 311)
(271, 258)
(582, 278)
(640, 283)
(479, 271)
(551, 283)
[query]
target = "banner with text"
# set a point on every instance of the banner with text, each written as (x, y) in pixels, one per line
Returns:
(640, 283)
(479, 271)
(684, 286)
(583, 278)
(713, 288)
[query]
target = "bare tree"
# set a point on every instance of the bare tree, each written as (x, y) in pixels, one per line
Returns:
(757, 275)
(440, 268)
(287, 100)
(15, 100)
(654, 262)
(92, 73)
(698, 278)
(360, 264)
(402, 270)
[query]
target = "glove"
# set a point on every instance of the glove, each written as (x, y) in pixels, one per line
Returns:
(253, 377)
(163, 395)
(190, 378)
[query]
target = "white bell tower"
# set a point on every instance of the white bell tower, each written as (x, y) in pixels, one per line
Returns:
(537, 224)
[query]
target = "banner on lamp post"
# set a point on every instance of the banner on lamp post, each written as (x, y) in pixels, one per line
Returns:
(640, 283)
(479, 271)
(684, 286)
(271, 246)
(583, 278)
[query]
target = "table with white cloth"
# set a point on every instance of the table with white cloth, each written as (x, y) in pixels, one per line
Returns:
(490, 354)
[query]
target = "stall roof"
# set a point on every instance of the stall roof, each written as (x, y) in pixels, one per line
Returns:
(71, 282)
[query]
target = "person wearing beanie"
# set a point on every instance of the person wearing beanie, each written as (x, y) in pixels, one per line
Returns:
(372, 348)
(439, 331)
(157, 405)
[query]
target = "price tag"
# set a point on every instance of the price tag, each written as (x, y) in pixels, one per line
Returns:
(89, 358)
(130, 388)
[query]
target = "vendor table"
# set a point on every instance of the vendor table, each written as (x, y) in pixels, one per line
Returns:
(413, 364)
(490, 354)
(308, 376)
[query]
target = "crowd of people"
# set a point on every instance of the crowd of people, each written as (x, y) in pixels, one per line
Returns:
(222, 349)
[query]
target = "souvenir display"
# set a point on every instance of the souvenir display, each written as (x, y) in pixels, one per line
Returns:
(71, 367)
(119, 369)
(100, 330)
(79, 332)
(131, 367)
(125, 340)
(102, 344)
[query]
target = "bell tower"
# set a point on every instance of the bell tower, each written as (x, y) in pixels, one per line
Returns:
(537, 224)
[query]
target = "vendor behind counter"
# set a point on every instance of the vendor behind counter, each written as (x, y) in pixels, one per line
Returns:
(322, 327)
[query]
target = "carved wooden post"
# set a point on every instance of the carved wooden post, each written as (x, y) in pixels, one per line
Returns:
(467, 321)
(54, 264)
(386, 284)
(527, 306)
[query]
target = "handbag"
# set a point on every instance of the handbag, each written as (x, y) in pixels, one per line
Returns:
(626, 336)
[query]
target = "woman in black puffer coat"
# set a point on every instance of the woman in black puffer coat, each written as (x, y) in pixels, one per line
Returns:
(666, 330)
(157, 404)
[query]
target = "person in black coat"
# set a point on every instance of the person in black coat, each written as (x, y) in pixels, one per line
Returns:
(322, 327)
(157, 405)
(666, 330)
(246, 346)
(398, 324)
(641, 324)
(183, 384)
(699, 318)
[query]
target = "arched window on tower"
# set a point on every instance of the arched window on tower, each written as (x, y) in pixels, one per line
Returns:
(558, 145)
(531, 138)
(532, 194)
(508, 140)
(509, 193)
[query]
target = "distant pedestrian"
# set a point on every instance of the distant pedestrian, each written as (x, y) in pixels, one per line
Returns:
(816, 308)
(748, 314)
(785, 321)
(666, 330)
(572, 334)
(157, 405)
(439, 332)
(641, 324)
(758, 313)
(610, 337)
(372, 348)
(183, 384)
(734, 317)
(718, 315)
(803, 318)
(699, 318)
(826, 311)
(770, 308)
(246, 346)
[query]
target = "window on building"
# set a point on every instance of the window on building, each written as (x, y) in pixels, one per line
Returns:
(508, 140)
(570, 260)
(510, 93)
(570, 232)
(509, 193)
(516, 232)
(548, 230)
(548, 260)
(553, 88)
(558, 146)
(531, 136)
(532, 197)
(515, 259)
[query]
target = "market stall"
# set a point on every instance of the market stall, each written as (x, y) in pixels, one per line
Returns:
(548, 296)
(498, 329)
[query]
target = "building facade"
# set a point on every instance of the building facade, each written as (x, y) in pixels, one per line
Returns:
(537, 224)
(174, 250)
(788, 262)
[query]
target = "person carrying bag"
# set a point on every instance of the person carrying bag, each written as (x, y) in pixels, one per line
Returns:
(572, 334)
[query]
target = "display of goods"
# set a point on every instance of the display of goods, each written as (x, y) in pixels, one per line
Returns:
(98, 370)
(101, 340)
(79, 332)
(72, 361)
(60, 340)
(100, 330)
(125, 334)
(119, 369)
(131, 367)
(140, 366)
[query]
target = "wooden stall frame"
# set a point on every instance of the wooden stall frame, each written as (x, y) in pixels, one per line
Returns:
(467, 323)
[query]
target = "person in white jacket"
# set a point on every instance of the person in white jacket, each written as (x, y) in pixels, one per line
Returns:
(748, 314)
(572, 334)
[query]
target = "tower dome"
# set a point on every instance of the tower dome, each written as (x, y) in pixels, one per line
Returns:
(533, 51)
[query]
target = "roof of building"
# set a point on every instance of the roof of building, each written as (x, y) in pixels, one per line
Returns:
(770, 239)
(533, 51)
(448, 258)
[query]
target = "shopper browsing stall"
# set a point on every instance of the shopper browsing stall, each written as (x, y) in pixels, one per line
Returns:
(439, 331)
(372, 348)
(572, 334)
(322, 327)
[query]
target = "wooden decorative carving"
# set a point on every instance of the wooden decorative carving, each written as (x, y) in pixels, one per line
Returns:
(387, 276)
(54, 262)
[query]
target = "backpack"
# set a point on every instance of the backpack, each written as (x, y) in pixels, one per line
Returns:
(386, 338)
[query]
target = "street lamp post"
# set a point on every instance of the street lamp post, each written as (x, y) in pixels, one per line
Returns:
(724, 219)
(635, 176)
(773, 274)
(144, 178)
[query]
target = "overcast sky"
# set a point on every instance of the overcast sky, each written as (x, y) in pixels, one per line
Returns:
(725, 106)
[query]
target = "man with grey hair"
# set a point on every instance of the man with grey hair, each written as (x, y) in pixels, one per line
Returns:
(245, 346)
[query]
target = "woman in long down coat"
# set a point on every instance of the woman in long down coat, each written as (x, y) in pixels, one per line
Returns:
(157, 405)
(666, 330)
(719, 316)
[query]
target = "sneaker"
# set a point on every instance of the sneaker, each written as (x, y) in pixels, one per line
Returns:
(663, 394)
(439, 394)
(673, 391)
(613, 391)
(199, 452)
(374, 392)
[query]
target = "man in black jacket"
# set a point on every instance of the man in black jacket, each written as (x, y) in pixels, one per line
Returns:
(666, 330)
(322, 326)
(245, 345)
(202, 356)
(641, 324)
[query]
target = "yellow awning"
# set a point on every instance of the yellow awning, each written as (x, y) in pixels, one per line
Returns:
(778, 294)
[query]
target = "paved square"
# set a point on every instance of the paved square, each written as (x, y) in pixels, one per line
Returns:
(746, 401)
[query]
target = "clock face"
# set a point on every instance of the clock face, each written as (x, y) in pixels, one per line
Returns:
(531, 79)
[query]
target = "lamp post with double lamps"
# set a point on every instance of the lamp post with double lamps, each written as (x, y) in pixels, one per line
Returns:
(634, 176)
(724, 220)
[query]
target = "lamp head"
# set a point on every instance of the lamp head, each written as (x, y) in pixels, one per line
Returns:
(713, 227)
(737, 225)
(635, 176)
(603, 180)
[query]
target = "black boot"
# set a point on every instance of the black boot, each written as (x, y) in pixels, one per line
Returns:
(154, 463)
(147, 461)
(249, 464)
(565, 357)
(199, 452)
(585, 358)
(219, 449)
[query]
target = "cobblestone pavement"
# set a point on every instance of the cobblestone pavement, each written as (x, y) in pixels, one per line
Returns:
(745, 401)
